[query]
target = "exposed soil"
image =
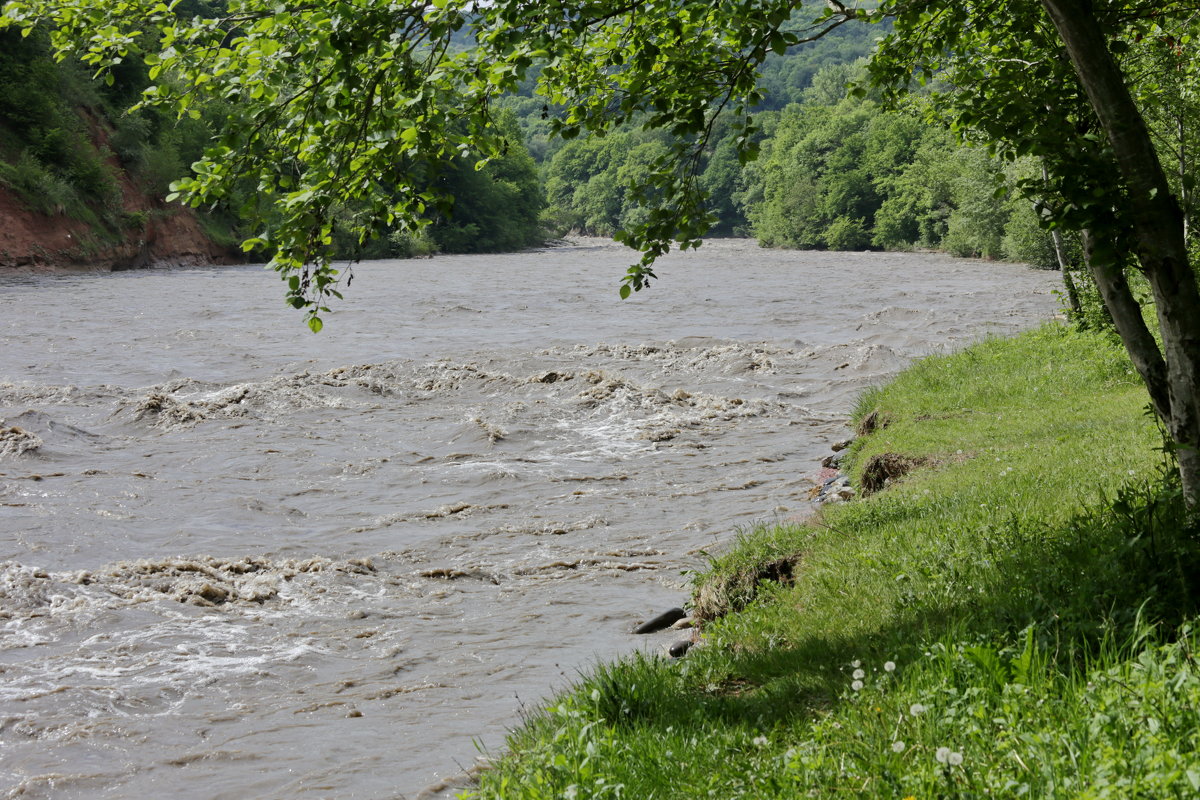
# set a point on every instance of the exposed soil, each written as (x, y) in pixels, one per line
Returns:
(881, 470)
(169, 234)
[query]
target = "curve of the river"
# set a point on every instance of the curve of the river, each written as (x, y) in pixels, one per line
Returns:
(240, 560)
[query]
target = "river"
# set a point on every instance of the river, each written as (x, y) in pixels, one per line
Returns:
(241, 560)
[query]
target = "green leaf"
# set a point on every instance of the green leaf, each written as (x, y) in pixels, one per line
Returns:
(315, 324)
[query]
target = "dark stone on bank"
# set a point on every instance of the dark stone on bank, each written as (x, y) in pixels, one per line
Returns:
(680, 648)
(832, 461)
(663, 620)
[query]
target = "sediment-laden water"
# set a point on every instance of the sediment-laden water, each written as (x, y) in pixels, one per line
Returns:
(239, 560)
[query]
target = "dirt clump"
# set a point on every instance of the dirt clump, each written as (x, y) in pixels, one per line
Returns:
(871, 422)
(883, 469)
(730, 593)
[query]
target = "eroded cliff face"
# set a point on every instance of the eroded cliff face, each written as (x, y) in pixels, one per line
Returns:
(154, 234)
(150, 232)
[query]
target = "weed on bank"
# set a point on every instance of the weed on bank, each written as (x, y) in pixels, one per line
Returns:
(1008, 615)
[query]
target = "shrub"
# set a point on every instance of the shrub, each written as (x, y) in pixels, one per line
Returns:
(847, 233)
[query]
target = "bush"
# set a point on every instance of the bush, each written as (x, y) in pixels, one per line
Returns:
(41, 190)
(405, 244)
(1025, 240)
(847, 233)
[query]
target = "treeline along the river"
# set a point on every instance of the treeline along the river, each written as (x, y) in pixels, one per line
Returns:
(836, 170)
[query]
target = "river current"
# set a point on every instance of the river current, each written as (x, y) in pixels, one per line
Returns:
(238, 560)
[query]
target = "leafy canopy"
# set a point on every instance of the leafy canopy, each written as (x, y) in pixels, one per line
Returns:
(357, 102)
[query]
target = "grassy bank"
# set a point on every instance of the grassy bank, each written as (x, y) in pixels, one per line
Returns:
(1010, 617)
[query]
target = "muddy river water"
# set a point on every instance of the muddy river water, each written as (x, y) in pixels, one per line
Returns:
(238, 560)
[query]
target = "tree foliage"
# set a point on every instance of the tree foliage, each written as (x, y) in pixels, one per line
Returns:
(1059, 81)
(358, 103)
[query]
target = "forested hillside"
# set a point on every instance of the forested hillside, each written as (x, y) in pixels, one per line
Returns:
(836, 171)
(84, 180)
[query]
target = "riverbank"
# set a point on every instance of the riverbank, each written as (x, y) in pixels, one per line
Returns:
(1007, 611)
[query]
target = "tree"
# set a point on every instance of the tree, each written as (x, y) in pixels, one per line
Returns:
(1045, 79)
(340, 96)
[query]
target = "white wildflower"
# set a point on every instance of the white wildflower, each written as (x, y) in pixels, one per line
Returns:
(897, 746)
(954, 759)
(759, 741)
(942, 755)
(916, 709)
(889, 666)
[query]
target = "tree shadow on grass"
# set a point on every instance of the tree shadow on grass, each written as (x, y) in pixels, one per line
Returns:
(1102, 574)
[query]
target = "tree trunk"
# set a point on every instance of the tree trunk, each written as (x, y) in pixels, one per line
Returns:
(1063, 265)
(1157, 225)
(1185, 200)
(1127, 318)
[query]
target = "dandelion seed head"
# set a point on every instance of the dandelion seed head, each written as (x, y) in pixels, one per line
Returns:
(954, 759)
(859, 674)
(889, 666)
(897, 746)
(942, 755)
(759, 741)
(916, 709)
(856, 686)
(856, 663)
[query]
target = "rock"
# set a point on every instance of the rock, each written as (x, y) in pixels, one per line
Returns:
(663, 620)
(683, 624)
(680, 648)
(832, 461)
(842, 445)
(353, 713)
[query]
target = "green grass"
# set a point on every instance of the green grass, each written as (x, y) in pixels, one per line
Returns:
(1019, 607)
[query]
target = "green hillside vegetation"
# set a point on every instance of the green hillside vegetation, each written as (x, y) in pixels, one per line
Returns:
(68, 139)
(842, 173)
(496, 208)
(835, 172)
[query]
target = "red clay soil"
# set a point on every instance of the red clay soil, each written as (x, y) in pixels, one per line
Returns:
(170, 235)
